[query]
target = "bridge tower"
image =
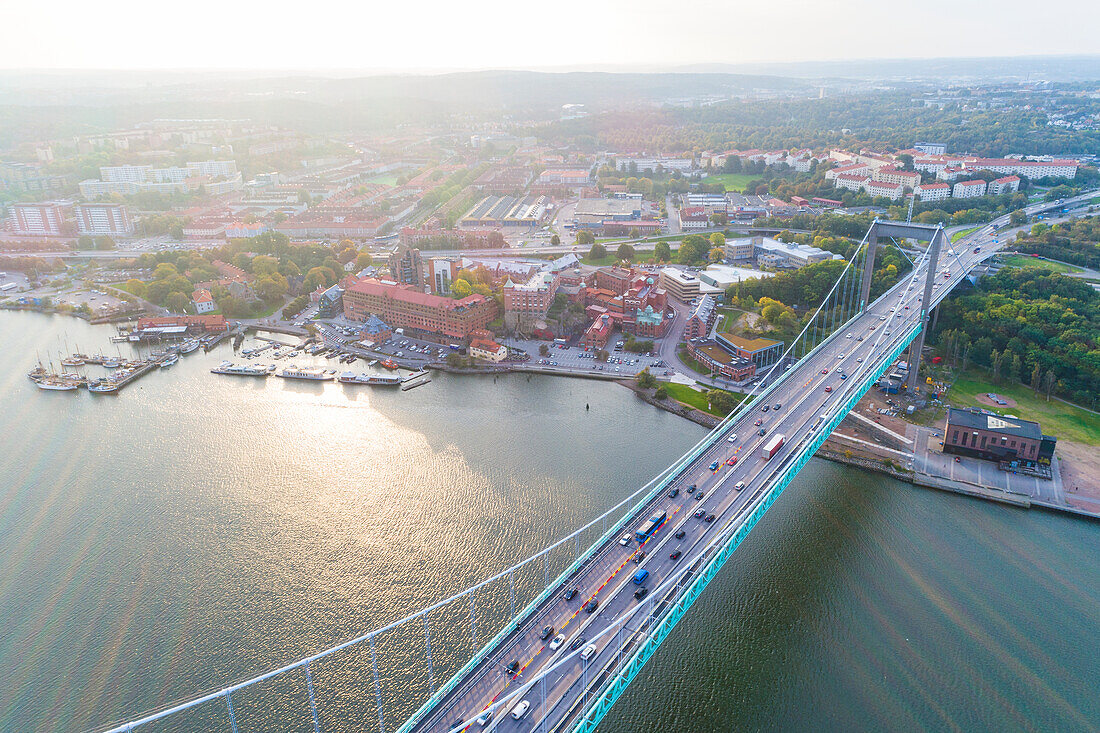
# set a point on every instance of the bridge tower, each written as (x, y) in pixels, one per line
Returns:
(936, 237)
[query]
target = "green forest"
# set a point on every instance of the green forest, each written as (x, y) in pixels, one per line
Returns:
(1024, 324)
(1076, 242)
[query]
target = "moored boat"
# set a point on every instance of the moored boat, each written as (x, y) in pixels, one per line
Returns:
(57, 385)
(293, 372)
(374, 379)
(172, 359)
(243, 370)
(389, 363)
(103, 386)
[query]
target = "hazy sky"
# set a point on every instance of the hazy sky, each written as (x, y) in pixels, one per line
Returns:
(436, 34)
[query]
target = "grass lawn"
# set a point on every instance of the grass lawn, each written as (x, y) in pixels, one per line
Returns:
(962, 233)
(1056, 418)
(692, 397)
(732, 181)
(610, 259)
(1021, 261)
(690, 362)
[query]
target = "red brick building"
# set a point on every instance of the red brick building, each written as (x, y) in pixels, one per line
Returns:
(195, 324)
(599, 333)
(404, 306)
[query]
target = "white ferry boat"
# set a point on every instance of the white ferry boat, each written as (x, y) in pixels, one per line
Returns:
(169, 361)
(375, 379)
(243, 370)
(188, 346)
(317, 375)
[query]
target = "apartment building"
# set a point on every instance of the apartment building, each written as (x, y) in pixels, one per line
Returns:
(969, 189)
(927, 192)
(1008, 184)
(104, 220)
(43, 218)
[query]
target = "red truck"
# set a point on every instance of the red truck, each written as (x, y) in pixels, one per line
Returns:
(772, 446)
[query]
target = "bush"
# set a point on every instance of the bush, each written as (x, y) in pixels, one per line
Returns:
(661, 393)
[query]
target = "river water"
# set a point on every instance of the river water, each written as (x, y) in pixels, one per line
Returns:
(198, 529)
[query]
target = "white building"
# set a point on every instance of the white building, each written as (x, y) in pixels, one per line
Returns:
(893, 175)
(104, 220)
(892, 191)
(969, 189)
(932, 192)
(1008, 184)
(42, 218)
(853, 168)
(851, 181)
(774, 253)
(931, 148)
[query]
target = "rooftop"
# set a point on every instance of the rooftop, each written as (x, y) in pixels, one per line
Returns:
(976, 419)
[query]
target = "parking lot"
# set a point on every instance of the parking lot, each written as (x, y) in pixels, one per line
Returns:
(96, 301)
(576, 358)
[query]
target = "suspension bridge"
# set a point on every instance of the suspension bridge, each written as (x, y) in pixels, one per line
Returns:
(560, 661)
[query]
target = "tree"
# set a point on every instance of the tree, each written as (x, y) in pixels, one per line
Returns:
(555, 240)
(625, 252)
(585, 237)
(601, 355)
(661, 393)
(233, 307)
(242, 261)
(662, 252)
(177, 302)
(104, 243)
(544, 350)
(1049, 381)
(721, 401)
(1017, 218)
(164, 271)
(1014, 375)
(718, 240)
(272, 287)
(716, 255)
(598, 252)
(461, 288)
(137, 287)
(646, 380)
(264, 265)
(363, 260)
(995, 362)
(1036, 378)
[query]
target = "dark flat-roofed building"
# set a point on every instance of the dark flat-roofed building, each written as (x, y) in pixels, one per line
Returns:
(982, 434)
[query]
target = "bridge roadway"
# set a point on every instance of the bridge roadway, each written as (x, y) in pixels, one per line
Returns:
(794, 409)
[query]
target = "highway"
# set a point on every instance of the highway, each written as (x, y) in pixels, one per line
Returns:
(795, 407)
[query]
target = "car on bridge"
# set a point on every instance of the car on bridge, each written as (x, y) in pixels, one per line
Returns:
(731, 461)
(571, 593)
(557, 641)
(680, 535)
(714, 466)
(547, 632)
(828, 388)
(591, 606)
(578, 643)
(640, 593)
(675, 555)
